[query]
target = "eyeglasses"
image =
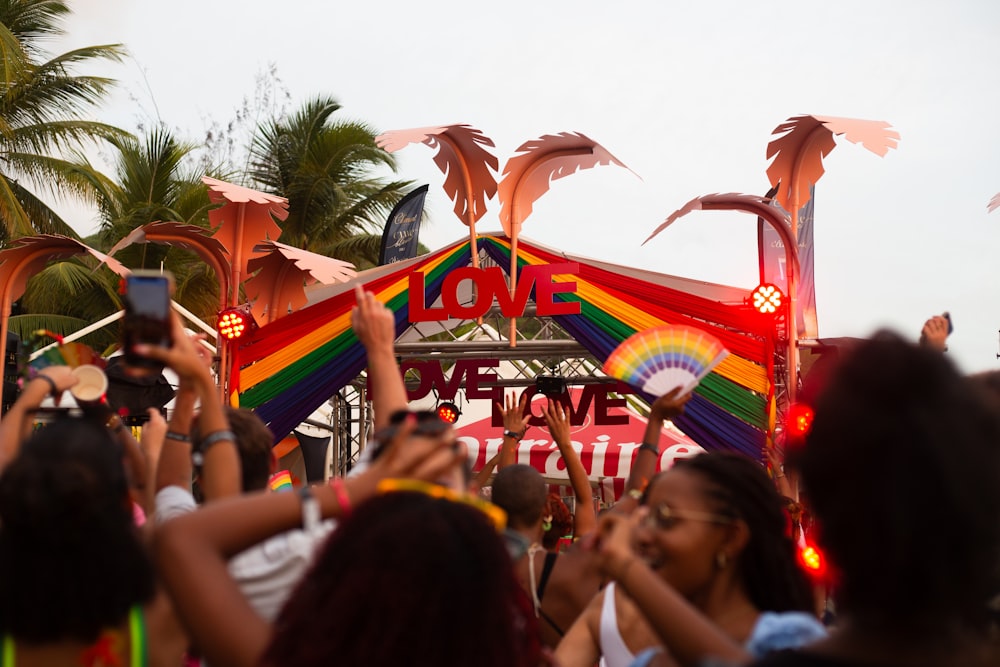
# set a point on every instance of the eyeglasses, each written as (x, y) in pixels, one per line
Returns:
(665, 517)
(494, 513)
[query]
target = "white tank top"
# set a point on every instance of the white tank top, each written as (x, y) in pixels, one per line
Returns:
(613, 649)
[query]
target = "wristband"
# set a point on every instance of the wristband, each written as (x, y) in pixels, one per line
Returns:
(53, 390)
(511, 434)
(179, 437)
(214, 437)
(649, 448)
(310, 509)
(343, 500)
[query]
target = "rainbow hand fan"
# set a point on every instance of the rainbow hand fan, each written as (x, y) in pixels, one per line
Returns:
(68, 354)
(663, 358)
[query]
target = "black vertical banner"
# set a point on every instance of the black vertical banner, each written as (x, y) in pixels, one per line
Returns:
(402, 229)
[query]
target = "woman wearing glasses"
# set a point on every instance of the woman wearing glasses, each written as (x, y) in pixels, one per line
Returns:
(708, 567)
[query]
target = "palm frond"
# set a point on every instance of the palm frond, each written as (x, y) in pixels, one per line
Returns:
(25, 325)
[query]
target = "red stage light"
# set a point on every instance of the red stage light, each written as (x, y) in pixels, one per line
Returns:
(813, 561)
(799, 419)
(767, 299)
(448, 412)
(232, 323)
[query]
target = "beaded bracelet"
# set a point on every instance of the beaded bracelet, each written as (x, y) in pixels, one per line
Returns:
(343, 500)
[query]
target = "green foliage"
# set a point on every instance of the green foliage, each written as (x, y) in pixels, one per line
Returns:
(326, 168)
(44, 108)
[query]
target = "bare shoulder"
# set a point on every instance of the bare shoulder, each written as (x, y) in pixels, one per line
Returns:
(166, 639)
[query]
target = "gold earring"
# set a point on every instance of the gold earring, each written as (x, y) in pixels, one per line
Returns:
(721, 560)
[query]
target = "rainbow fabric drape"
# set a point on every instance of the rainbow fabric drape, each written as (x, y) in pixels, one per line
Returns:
(290, 367)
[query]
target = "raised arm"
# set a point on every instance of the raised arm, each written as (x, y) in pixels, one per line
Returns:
(668, 406)
(515, 424)
(375, 327)
(585, 517)
(192, 550)
(16, 424)
(219, 452)
(934, 333)
(483, 476)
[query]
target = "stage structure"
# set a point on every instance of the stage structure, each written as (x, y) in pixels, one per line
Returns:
(579, 310)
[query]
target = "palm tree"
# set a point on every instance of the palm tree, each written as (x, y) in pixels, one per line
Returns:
(42, 109)
(326, 169)
(158, 179)
(152, 182)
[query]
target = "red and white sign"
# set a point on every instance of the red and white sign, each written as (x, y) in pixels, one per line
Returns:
(606, 451)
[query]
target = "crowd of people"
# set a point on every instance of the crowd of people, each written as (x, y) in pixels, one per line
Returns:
(409, 560)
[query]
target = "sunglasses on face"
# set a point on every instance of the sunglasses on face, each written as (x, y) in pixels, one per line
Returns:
(664, 517)
(494, 513)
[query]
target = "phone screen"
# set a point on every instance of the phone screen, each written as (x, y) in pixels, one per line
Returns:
(147, 316)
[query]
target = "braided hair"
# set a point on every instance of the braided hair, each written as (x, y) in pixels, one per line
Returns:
(767, 565)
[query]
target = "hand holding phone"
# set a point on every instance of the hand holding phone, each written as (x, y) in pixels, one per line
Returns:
(147, 318)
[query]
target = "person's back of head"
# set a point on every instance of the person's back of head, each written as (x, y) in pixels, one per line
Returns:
(768, 568)
(520, 491)
(901, 467)
(409, 579)
(254, 443)
(70, 554)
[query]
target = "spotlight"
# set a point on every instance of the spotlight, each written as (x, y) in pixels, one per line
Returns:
(812, 561)
(767, 299)
(799, 419)
(234, 322)
(448, 412)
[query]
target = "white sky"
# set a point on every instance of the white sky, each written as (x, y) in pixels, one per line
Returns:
(685, 94)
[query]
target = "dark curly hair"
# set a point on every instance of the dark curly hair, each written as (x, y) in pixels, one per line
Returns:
(902, 467)
(562, 521)
(409, 579)
(740, 488)
(70, 553)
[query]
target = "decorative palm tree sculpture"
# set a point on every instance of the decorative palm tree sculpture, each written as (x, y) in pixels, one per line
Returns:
(805, 140)
(760, 207)
(29, 255)
(526, 176)
(467, 165)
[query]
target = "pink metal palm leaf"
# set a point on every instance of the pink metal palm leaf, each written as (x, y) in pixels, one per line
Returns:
(527, 176)
(805, 140)
(283, 272)
(994, 203)
(244, 220)
(463, 158)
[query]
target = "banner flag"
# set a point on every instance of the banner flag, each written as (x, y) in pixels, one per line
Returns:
(402, 229)
(771, 252)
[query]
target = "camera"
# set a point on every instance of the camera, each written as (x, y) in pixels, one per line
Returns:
(550, 385)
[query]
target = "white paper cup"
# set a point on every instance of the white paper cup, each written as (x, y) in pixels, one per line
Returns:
(91, 386)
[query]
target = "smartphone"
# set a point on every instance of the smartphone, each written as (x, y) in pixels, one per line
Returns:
(147, 318)
(951, 327)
